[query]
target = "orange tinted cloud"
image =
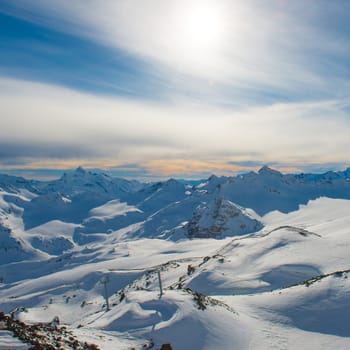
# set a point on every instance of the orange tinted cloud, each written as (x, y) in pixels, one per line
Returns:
(286, 169)
(62, 164)
(186, 166)
(178, 167)
(156, 168)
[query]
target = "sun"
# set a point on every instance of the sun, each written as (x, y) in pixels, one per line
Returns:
(198, 31)
(203, 25)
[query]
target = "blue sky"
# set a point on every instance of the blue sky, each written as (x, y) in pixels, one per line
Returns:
(159, 88)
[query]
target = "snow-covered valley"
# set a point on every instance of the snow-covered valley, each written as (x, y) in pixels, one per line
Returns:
(256, 261)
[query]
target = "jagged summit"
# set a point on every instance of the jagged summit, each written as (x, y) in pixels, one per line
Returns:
(80, 170)
(266, 170)
(172, 182)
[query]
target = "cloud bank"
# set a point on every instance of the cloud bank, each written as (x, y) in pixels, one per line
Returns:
(48, 122)
(212, 86)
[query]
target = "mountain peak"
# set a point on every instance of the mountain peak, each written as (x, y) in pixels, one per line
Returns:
(346, 172)
(77, 173)
(268, 171)
(80, 170)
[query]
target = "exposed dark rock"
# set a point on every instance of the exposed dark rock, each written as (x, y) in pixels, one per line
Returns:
(166, 347)
(44, 336)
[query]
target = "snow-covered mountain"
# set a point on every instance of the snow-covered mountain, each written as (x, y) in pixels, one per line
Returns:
(255, 261)
(13, 184)
(98, 205)
(269, 189)
(219, 219)
(81, 181)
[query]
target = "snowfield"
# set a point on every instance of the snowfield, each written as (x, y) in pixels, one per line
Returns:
(258, 261)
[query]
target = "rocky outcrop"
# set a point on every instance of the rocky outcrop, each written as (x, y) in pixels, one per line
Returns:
(44, 336)
(221, 218)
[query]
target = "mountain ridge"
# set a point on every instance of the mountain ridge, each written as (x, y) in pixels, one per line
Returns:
(235, 256)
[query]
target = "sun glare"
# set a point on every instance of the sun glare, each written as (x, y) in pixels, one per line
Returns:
(202, 26)
(198, 32)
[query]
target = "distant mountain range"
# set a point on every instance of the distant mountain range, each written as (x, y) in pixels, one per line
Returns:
(254, 261)
(90, 206)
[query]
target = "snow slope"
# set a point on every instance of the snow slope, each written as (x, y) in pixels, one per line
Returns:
(280, 281)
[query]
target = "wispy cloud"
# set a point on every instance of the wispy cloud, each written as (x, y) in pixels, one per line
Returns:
(266, 51)
(40, 121)
(171, 93)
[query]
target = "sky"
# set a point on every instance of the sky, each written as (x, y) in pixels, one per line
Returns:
(154, 89)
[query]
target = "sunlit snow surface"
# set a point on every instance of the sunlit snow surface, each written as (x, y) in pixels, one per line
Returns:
(251, 284)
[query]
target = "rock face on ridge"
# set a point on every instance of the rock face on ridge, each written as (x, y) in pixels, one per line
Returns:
(221, 218)
(12, 247)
